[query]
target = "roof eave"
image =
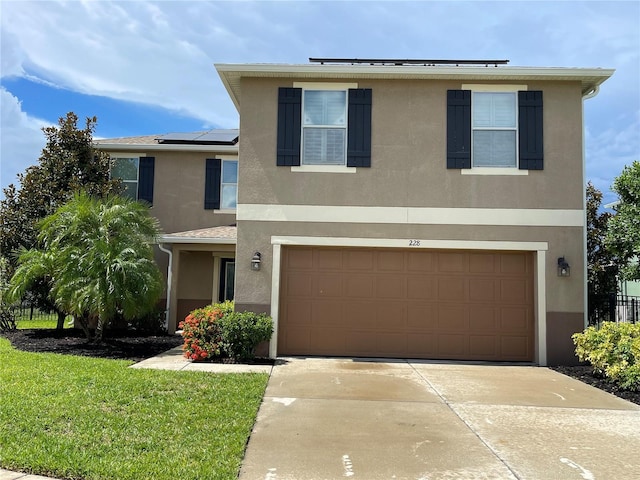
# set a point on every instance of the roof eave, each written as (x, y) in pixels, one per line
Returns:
(138, 147)
(231, 74)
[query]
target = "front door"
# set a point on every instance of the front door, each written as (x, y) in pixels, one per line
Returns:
(227, 278)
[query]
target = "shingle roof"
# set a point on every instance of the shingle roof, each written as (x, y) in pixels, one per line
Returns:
(222, 234)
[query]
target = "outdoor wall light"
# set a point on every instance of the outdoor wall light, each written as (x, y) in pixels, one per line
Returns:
(255, 261)
(564, 270)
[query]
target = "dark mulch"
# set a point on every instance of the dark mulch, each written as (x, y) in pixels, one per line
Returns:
(115, 345)
(585, 374)
(123, 345)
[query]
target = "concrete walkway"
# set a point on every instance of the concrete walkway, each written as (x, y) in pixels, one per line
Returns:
(342, 418)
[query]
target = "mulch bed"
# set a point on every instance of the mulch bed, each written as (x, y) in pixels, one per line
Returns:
(115, 345)
(132, 346)
(121, 345)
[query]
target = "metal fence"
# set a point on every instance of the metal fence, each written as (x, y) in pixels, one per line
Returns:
(613, 308)
(26, 311)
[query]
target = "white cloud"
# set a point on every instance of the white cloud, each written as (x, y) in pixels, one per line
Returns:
(22, 139)
(162, 53)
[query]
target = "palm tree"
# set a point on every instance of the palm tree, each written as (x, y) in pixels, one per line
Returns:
(99, 259)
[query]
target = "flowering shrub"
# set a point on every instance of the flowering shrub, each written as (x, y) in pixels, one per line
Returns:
(242, 332)
(201, 331)
(613, 350)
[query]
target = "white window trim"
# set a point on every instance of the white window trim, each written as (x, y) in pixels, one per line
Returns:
(497, 171)
(222, 160)
(325, 168)
(115, 156)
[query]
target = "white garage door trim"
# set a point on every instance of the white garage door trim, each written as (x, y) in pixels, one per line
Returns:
(539, 271)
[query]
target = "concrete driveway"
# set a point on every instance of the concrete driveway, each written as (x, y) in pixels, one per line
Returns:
(351, 418)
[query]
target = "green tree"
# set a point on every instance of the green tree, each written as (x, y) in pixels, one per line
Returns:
(601, 271)
(68, 163)
(623, 234)
(98, 257)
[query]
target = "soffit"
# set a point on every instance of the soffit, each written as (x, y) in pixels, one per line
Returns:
(231, 74)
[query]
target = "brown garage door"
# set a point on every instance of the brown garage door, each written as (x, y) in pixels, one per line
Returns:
(464, 305)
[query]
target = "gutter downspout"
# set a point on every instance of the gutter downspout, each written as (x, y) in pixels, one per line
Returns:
(587, 96)
(169, 278)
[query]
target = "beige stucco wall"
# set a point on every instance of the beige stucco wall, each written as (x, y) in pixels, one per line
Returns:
(408, 169)
(408, 154)
(178, 190)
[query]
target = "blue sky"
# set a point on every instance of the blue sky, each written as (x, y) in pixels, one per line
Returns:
(148, 67)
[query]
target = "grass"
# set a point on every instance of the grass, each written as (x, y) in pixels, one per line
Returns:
(40, 320)
(84, 418)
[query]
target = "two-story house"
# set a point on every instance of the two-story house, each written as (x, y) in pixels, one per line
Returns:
(397, 209)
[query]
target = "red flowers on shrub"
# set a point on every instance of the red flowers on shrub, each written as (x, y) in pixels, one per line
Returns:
(201, 332)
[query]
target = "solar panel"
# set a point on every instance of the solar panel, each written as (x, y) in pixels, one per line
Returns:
(215, 136)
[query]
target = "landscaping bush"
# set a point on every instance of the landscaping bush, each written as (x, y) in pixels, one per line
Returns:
(242, 332)
(613, 350)
(201, 333)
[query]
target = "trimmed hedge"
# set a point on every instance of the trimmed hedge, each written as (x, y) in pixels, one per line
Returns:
(613, 350)
(216, 331)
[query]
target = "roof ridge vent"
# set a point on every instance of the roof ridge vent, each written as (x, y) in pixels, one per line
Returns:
(405, 62)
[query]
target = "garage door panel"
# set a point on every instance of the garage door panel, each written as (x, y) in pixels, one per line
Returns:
(327, 259)
(407, 303)
(299, 259)
(359, 260)
(423, 287)
(515, 346)
(359, 286)
(360, 314)
(391, 286)
(451, 289)
(328, 285)
(391, 261)
(326, 313)
(452, 346)
(482, 263)
(453, 317)
(423, 316)
(517, 319)
(484, 318)
(516, 263)
(483, 289)
(298, 285)
(421, 262)
(483, 346)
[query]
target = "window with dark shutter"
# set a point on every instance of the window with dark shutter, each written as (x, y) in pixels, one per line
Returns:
(289, 124)
(531, 145)
(145, 180)
(459, 129)
(359, 128)
(213, 168)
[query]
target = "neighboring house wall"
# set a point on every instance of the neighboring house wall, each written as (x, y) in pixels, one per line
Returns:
(186, 195)
(408, 193)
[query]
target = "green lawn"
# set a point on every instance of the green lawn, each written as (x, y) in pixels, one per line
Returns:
(40, 321)
(84, 418)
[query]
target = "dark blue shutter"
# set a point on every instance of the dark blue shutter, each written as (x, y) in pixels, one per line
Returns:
(531, 146)
(212, 173)
(289, 124)
(145, 179)
(458, 128)
(359, 128)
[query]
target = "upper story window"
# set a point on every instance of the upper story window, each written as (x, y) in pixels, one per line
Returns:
(220, 184)
(324, 128)
(137, 174)
(494, 129)
(127, 170)
(229, 184)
